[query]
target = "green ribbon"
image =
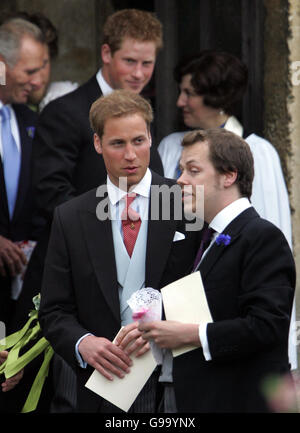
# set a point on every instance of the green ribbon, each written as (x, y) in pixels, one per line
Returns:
(14, 363)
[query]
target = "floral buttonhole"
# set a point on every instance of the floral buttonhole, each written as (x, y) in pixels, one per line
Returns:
(223, 239)
(30, 131)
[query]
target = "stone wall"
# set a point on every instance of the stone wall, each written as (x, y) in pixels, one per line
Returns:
(282, 103)
(79, 26)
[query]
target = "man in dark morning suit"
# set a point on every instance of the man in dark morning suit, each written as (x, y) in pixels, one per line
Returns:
(22, 48)
(65, 161)
(248, 275)
(89, 275)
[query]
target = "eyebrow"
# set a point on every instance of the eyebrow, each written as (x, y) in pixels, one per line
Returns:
(192, 161)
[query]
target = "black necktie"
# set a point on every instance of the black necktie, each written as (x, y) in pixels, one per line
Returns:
(205, 241)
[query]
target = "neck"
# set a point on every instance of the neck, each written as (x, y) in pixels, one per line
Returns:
(216, 121)
(209, 215)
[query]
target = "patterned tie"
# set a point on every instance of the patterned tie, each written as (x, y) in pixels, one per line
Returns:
(131, 223)
(205, 241)
(11, 160)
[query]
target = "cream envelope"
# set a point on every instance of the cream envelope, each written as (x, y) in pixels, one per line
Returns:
(123, 392)
(185, 301)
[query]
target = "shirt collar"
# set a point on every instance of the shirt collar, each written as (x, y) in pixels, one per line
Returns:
(5, 105)
(229, 213)
(115, 194)
(104, 86)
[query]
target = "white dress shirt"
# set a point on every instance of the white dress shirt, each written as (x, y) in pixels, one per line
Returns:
(104, 86)
(219, 224)
(140, 204)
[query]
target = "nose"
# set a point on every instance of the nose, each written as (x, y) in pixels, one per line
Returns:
(130, 154)
(36, 80)
(181, 180)
(138, 71)
(181, 101)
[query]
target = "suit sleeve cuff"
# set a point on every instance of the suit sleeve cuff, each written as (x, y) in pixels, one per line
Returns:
(204, 341)
(80, 361)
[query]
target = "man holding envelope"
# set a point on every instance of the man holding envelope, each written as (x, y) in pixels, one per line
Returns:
(103, 247)
(248, 276)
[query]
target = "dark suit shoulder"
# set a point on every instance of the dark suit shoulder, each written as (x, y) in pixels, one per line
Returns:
(82, 96)
(85, 201)
(157, 179)
(25, 114)
(260, 227)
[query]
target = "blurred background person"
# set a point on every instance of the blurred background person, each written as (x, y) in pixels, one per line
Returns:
(211, 85)
(48, 90)
(22, 47)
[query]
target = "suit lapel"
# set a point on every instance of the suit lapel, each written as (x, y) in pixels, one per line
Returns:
(25, 120)
(233, 230)
(159, 242)
(93, 90)
(3, 201)
(99, 241)
(25, 176)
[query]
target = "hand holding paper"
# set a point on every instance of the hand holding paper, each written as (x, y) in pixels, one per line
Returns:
(130, 340)
(146, 306)
(108, 359)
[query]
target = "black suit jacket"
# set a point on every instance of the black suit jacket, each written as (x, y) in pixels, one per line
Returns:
(80, 289)
(21, 225)
(249, 286)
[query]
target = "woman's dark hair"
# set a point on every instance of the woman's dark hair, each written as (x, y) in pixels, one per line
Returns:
(220, 77)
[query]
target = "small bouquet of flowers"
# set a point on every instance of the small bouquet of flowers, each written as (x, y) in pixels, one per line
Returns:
(30, 334)
(146, 306)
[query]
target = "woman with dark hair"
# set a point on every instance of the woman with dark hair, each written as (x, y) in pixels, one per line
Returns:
(211, 85)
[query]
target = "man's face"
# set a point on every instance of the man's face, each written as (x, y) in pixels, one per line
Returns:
(131, 67)
(26, 73)
(195, 113)
(125, 147)
(38, 93)
(197, 169)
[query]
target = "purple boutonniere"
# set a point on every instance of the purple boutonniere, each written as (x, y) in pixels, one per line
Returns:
(30, 131)
(223, 239)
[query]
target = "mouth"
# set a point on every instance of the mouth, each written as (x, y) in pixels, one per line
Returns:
(131, 169)
(135, 84)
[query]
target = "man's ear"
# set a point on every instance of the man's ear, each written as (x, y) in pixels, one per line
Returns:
(106, 54)
(97, 144)
(150, 138)
(229, 178)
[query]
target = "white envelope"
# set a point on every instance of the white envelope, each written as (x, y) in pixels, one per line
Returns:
(185, 301)
(178, 236)
(123, 392)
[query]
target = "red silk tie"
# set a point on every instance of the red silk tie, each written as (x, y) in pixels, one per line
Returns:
(131, 223)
